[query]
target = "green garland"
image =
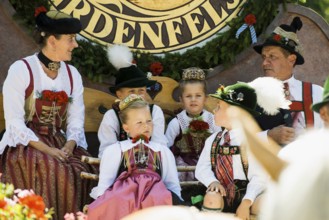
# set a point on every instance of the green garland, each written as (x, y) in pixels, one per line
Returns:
(91, 58)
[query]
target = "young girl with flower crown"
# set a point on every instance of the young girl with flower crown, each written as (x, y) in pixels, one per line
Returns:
(136, 173)
(233, 178)
(187, 132)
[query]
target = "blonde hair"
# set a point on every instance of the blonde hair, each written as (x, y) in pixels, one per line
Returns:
(136, 104)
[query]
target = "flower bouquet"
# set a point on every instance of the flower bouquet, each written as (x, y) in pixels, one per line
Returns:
(58, 97)
(198, 128)
(22, 204)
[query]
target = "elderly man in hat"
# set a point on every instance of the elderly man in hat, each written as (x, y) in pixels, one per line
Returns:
(130, 80)
(280, 52)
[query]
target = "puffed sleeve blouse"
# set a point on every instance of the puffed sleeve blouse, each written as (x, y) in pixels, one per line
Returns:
(18, 79)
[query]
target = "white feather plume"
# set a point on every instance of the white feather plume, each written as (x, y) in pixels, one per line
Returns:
(120, 56)
(270, 94)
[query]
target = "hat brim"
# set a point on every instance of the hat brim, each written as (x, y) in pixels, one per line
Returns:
(317, 106)
(258, 48)
(251, 111)
(134, 83)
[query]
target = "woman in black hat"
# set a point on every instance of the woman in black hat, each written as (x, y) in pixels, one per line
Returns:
(44, 113)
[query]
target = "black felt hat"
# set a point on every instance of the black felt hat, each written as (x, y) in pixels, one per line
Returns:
(129, 75)
(56, 22)
(285, 36)
(239, 94)
(267, 92)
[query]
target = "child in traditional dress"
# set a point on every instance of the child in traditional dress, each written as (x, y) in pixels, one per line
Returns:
(188, 131)
(135, 173)
(130, 80)
(234, 179)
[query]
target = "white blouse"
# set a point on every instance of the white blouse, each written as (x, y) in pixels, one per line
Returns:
(14, 87)
(175, 126)
(111, 160)
(109, 129)
(256, 176)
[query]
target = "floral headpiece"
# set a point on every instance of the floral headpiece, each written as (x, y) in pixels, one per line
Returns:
(128, 100)
(193, 73)
(239, 94)
(230, 94)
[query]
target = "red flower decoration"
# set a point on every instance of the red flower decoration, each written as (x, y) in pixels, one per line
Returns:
(39, 10)
(140, 137)
(156, 68)
(277, 37)
(3, 203)
(198, 125)
(52, 96)
(250, 19)
(35, 203)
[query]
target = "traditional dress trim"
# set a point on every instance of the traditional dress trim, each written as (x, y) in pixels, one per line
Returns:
(305, 104)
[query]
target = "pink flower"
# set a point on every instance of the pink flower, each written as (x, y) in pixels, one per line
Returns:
(69, 216)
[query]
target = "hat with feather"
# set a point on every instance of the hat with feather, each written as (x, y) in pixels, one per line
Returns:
(129, 75)
(285, 36)
(266, 92)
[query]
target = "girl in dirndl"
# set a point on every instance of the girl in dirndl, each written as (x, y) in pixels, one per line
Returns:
(188, 131)
(134, 173)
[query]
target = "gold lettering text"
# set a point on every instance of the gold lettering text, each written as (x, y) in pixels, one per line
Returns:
(172, 31)
(155, 38)
(94, 20)
(192, 23)
(122, 32)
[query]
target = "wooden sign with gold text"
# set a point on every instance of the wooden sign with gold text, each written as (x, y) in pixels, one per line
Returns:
(153, 26)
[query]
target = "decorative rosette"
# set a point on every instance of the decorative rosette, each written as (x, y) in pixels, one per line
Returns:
(249, 20)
